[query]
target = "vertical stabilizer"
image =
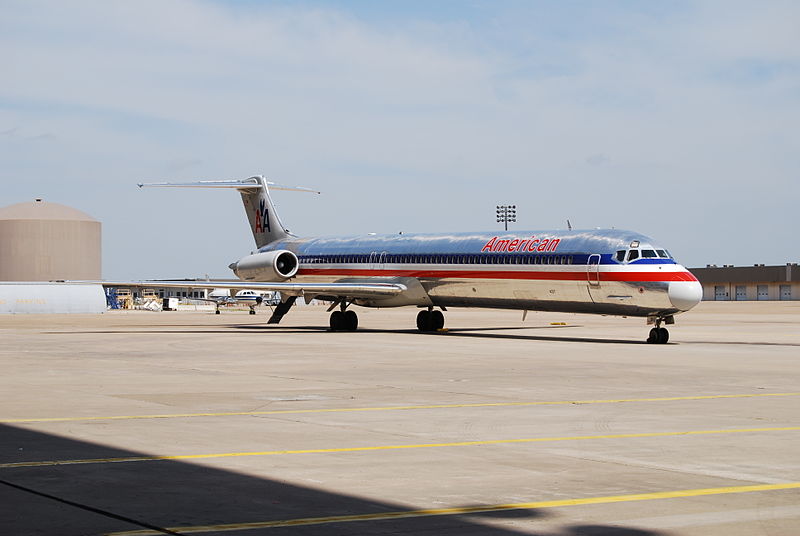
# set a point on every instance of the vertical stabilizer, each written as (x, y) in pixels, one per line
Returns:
(264, 221)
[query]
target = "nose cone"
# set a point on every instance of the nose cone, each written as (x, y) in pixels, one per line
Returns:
(685, 294)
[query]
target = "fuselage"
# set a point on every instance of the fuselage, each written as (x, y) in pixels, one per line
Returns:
(588, 271)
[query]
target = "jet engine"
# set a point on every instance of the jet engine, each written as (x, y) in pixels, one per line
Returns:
(268, 266)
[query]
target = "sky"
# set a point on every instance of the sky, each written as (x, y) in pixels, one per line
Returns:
(679, 120)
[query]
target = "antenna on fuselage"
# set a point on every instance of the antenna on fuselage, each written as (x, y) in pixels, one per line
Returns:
(569, 225)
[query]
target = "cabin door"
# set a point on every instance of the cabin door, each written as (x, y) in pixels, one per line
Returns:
(593, 270)
(593, 276)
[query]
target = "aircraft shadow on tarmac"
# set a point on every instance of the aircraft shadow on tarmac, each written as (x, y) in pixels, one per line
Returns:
(482, 333)
(102, 498)
(451, 332)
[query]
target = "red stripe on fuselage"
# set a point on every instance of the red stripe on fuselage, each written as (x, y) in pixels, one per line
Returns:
(496, 274)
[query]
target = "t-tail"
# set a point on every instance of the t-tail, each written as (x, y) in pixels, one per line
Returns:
(264, 220)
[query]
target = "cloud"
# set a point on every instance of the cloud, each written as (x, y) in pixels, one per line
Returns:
(420, 122)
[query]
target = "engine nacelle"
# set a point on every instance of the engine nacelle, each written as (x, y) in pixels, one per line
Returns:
(268, 266)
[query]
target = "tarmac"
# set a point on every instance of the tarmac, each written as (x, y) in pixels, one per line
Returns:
(136, 422)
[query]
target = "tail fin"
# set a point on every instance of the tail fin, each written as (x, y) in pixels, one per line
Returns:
(264, 221)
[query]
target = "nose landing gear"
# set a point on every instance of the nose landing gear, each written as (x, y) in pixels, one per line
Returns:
(658, 335)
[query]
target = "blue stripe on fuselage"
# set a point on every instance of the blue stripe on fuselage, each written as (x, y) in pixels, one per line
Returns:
(576, 245)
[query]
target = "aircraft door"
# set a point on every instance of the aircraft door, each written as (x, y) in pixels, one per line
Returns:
(593, 270)
(593, 277)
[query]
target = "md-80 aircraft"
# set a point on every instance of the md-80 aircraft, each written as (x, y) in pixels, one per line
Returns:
(607, 272)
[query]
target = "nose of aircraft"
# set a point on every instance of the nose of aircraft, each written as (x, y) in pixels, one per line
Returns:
(685, 294)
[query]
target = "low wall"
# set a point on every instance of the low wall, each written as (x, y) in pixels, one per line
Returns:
(49, 298)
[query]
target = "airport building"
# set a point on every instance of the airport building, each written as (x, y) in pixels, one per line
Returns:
(749, 283)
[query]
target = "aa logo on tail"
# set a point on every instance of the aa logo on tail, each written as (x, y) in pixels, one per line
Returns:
(262, 218)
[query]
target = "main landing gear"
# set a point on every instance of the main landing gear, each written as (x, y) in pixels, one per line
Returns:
(344, 320)
(659, 335)
(430, 320)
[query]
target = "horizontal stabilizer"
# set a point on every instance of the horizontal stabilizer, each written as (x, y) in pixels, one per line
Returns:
(264, 221)
(251, 183)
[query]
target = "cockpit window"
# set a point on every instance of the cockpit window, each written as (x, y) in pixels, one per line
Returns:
(633, 255)
(648, 254)
(621, 255)
(662, 253)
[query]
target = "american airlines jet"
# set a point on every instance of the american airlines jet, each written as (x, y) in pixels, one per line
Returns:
(608, 272)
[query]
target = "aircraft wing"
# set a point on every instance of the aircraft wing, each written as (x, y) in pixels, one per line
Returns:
(348, 290)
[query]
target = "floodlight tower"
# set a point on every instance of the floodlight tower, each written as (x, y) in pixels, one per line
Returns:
(506, 213)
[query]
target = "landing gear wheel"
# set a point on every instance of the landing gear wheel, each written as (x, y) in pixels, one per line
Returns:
(437, 320)
(252, 311)
(337, 321)
(216, 312)
(350, 321)
(424, 321)
(430, 320)
(663, 337)
(344, 321)
(658, 336)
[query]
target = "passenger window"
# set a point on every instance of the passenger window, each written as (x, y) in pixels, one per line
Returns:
(621, 255)
(648, 254)
(633, 255)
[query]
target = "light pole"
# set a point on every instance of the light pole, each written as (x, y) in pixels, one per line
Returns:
(506, 213)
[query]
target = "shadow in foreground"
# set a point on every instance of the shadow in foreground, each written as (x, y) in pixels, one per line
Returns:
(101, 498)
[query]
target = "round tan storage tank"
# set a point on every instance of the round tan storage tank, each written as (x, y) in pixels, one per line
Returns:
(43, 241)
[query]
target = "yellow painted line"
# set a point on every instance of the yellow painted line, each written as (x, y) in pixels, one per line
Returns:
(383, 516)
(128, 459)
(392, 408)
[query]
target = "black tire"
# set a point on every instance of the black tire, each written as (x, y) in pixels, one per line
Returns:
(252, 312)
(654, 336)
(350, 321)
(663, 336)
(424, 321)
(216, 312)
(437, 320)
(337, 321)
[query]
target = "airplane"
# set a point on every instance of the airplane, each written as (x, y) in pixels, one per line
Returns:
(600, 271)
(222, 296)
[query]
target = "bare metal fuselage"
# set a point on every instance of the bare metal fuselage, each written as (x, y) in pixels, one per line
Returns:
(580, 275)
